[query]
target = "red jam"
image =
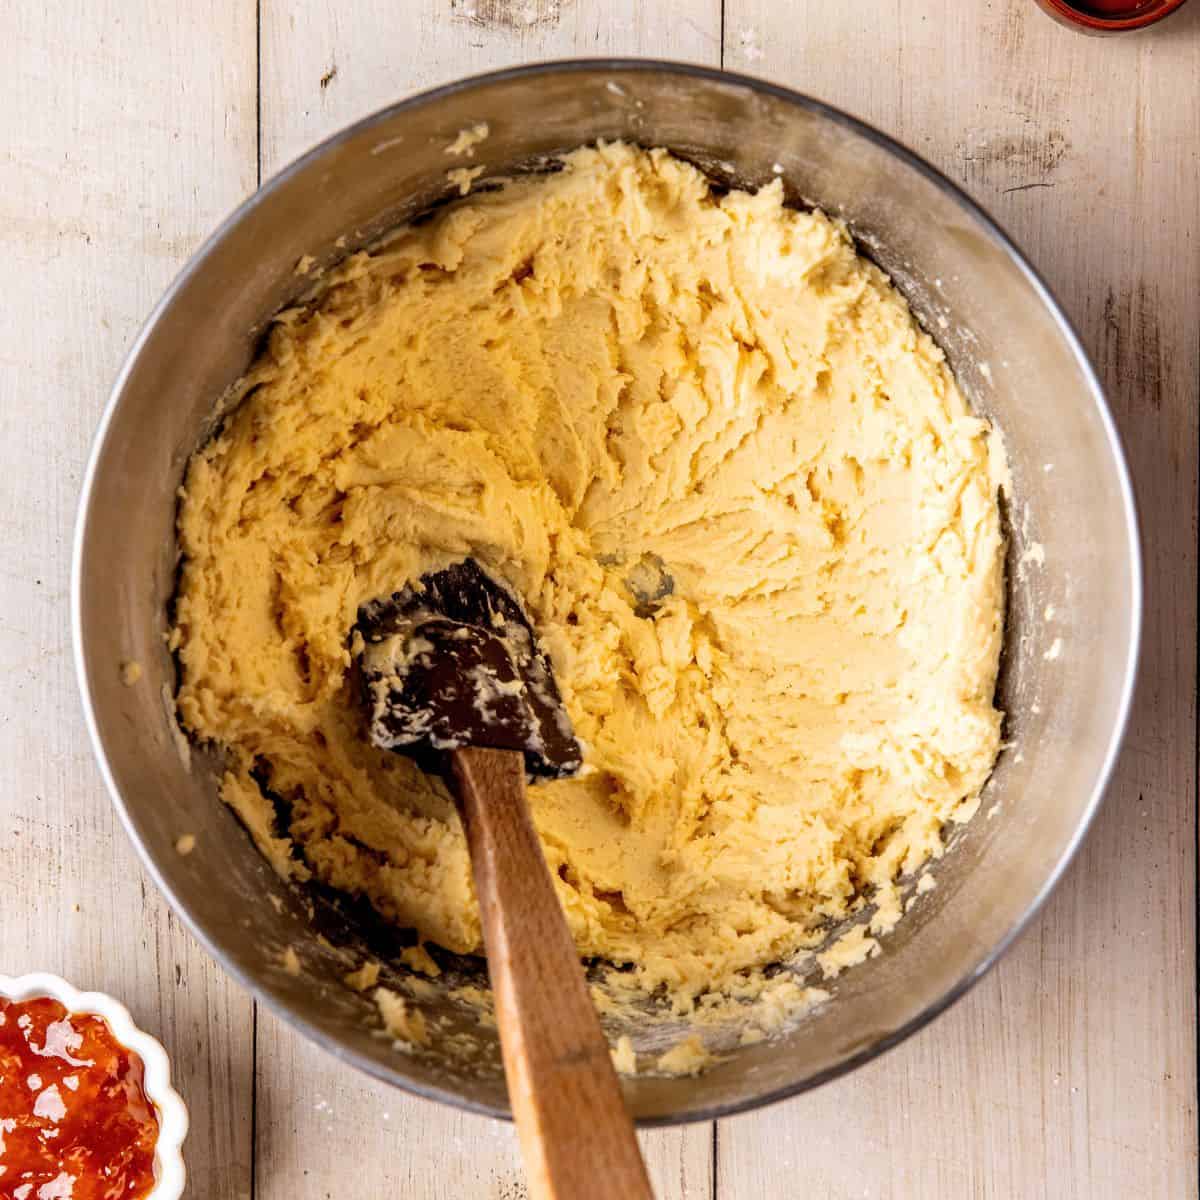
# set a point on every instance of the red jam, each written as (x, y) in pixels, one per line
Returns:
(75, 1121)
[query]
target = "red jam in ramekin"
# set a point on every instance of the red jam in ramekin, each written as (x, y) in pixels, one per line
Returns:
(75, 1120)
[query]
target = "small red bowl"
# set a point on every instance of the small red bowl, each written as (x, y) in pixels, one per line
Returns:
(1109, 16)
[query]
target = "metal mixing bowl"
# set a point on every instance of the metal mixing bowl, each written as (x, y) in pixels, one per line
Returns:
(1066, 681)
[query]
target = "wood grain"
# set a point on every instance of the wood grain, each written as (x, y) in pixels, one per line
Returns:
(125, 138)
(1071, 1071)
(382, 52)
(577, 1138)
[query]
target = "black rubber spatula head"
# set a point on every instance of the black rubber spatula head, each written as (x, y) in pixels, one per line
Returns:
(452, 661)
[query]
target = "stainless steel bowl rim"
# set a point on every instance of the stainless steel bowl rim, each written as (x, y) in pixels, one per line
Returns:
(914, 161)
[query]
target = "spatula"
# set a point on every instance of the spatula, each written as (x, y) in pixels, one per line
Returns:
(454, 677)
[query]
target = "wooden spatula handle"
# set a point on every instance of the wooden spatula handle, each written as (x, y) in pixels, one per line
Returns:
(576, 1135)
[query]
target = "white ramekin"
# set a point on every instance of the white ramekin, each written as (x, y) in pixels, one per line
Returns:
(169, 1172)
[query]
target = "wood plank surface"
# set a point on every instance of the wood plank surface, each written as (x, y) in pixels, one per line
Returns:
(125, 137)
(324, 65)
(130, 129)
(1071, 1071)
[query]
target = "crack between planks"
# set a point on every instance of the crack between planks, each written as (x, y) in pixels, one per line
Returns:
(253, 1099)
(713, 1168)
(1195, 786)
(258, 147)
(1195, 794)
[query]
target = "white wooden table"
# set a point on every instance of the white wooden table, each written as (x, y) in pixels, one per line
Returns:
(130, 127)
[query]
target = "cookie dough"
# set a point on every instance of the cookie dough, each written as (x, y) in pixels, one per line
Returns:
(737, 488)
